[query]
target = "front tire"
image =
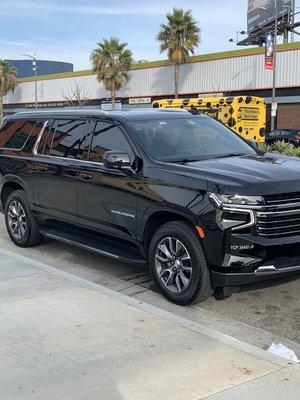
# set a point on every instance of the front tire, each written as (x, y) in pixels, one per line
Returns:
(177, 264)
(21, 225)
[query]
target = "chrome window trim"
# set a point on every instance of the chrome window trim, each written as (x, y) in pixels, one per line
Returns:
(69, 159)
(38, 140)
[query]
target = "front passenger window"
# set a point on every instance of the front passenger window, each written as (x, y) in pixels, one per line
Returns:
(107, 136)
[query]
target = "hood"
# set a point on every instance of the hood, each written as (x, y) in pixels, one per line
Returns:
(251, 175)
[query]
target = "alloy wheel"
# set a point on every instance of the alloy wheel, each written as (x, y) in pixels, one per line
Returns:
(173, 264)
(17, 220)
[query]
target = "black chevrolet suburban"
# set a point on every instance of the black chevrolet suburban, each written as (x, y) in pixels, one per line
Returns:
(180, 193)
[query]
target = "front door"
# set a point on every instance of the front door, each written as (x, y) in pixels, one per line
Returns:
(56, 168)
(107, 198)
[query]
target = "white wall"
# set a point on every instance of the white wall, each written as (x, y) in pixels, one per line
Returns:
(225, 75)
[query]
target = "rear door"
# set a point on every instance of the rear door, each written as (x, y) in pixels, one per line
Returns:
(107, 198)
(56, 167)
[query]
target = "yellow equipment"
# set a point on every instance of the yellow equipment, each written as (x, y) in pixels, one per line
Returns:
(246, 115)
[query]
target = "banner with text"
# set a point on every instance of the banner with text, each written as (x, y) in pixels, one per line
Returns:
(269, 51)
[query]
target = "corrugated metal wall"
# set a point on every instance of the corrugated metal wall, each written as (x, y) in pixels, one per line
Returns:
(223, 75)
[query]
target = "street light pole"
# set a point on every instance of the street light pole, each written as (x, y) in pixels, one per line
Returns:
(273, 106)
(34, 68)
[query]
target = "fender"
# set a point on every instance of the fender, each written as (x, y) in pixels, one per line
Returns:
(172, 209)
(10, 178)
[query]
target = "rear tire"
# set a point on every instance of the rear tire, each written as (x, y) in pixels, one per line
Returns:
(21, 225)
(177, 264)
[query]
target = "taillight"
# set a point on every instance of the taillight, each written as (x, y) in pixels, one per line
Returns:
(297, 137)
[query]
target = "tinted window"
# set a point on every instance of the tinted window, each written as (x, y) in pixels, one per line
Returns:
(107, 136)
(193, 137)
(14, 134)
(67, 138)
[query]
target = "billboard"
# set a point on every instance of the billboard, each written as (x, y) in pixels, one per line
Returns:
(259, 17)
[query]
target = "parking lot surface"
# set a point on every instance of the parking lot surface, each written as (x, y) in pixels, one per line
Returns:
(258, 314)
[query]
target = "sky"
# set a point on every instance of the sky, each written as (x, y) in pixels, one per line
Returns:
(68, 30)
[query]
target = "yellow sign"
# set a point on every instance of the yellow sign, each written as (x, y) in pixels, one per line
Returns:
(251, 114)
(246, 115)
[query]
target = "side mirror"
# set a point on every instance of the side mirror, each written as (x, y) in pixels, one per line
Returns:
(116, 159)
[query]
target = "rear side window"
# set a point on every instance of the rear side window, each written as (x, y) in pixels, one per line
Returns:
(65, 138)
(107, 136)
(15, 134)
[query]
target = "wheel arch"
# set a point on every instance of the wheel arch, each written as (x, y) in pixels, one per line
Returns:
(10, 185)
(159, 218)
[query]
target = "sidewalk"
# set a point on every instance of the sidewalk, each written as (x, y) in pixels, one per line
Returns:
(66, 338)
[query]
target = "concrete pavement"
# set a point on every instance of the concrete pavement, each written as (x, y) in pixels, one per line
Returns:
(63, 337)
(257, 315)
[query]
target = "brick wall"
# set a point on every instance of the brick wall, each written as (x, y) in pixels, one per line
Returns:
(288, 116)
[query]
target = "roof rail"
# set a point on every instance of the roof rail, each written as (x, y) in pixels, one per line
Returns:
(53, 111)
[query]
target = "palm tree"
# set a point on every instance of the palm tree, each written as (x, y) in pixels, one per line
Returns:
(179, 37)
(8, 81)
(111, 62)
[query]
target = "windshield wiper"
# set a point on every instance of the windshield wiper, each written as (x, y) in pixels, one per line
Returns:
(180, 160)
(185, 160)
(229, 155)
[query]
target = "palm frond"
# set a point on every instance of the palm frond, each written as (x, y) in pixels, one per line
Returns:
(110, 61)
(180, 36)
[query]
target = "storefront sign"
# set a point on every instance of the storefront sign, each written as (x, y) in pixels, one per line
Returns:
(140, 100)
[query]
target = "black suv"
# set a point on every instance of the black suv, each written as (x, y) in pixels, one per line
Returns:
(179, 192)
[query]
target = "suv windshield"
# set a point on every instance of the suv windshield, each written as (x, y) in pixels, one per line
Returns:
(189, 139)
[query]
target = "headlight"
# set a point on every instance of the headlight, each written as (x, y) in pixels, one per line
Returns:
(235, 210)
(236, 200)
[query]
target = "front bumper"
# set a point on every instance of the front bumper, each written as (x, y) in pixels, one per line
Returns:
(278, 269)
(251, 259)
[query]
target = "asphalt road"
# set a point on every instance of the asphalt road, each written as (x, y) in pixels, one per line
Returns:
(258, 314)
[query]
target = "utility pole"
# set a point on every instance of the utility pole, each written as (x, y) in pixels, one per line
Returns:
(274, 108)
(34, 69)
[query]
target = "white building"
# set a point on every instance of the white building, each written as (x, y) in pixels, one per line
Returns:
(234, 72)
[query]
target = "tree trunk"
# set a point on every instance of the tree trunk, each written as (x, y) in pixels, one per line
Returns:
(113, 97)
(176, 78)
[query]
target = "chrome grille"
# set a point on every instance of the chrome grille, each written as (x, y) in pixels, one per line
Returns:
(283, 199)
(281, 216)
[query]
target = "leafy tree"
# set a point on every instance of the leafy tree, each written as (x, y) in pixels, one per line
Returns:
(8, 81)
(179, 37)
(111, 62)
